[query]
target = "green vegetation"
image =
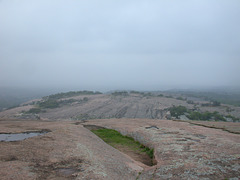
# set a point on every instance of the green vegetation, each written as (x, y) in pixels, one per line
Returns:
(149, 152)
(216, 103)
(177, 111)
(13, 99)
(212, 104)
(190, 102)
(34, 111)
(205, 116)
(50, 103)
(71, 94)
(115, 139)
(169, 96)
(228, 109)
(120, 93)
(53, 103)
(135, 92)
(232, 98)
(233, 118)
(148, 94)
(180, 98)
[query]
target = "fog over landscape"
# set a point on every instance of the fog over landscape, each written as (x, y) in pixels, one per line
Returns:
(106, 45)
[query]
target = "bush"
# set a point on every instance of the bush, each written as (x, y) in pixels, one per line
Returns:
(233, 118)
(177, 111)
(190, 102)
(34, 111)
(120, 93)
(50, 103)
(180, 98)
(216, 103)
(135, 92)
(85, 99)
(71, 94)
(150, 153)
(193, 115)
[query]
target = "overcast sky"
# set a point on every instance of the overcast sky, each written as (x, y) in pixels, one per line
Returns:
(125, 44)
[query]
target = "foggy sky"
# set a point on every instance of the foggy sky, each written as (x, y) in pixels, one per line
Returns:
(136, 44)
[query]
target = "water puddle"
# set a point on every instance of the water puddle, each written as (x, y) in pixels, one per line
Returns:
(20, 136)
(152, 127)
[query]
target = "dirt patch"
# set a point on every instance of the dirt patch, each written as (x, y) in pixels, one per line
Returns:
(93, 127)
(9, 158)
(137, 156)
(80, 122)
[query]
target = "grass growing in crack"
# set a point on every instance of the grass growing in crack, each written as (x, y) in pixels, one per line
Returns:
(115, 139)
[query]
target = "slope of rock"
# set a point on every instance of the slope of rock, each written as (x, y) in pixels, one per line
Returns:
(104, 106)
(183, 150)
(70, 151)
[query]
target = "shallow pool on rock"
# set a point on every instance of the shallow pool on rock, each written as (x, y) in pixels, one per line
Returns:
(19, 136)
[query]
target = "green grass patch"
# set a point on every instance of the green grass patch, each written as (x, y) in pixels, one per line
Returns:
(115, 139)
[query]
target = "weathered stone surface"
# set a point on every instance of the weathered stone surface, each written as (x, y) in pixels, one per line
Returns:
(183, 150)
(70, 151)
(108, 106)
(67, 149)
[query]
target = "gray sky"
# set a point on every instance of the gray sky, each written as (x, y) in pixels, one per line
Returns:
(127, 44)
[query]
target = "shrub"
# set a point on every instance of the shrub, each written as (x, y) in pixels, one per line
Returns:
(180, 98)
(193, 115)
(85, 99)
(177, 111)
(190, 102)
(50, 103)
(71, 94)
(233, 118)
(216, 103)
(34, 111)
(120, 93)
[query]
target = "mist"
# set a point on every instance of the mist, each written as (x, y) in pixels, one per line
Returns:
(105, 45)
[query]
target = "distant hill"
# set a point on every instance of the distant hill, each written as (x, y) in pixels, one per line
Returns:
(13, 97)
(231, 97)
(86, 105)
